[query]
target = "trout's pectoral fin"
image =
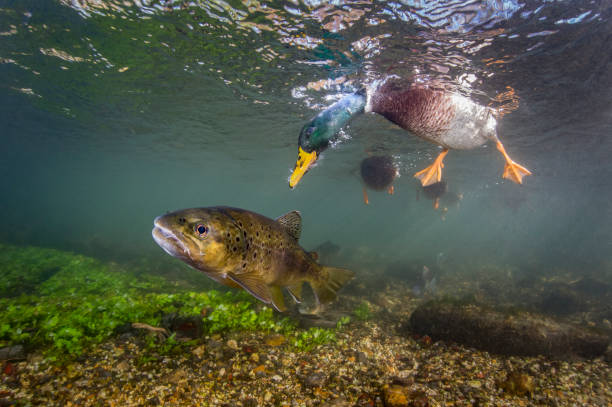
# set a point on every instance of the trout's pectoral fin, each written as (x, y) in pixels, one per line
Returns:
(296, 292)
(254, 285)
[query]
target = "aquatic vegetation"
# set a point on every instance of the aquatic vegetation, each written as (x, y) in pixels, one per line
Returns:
(311, 338)
(24, 269)
(87, 301)
(362, 312)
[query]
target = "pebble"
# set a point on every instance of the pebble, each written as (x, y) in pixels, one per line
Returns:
(232, 344)
(176, 376)
(275, 340)
(316, 379)
(199, 351)
(267, 396)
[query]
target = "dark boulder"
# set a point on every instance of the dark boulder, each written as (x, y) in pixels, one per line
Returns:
(15, 352)
(505, 332)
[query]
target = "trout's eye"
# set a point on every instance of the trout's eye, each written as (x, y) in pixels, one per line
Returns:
(201, 230)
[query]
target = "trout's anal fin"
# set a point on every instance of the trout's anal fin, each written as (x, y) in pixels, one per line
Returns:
(292, 223)
(278, 300)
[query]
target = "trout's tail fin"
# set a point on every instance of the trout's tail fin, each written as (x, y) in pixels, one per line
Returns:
(332, 279)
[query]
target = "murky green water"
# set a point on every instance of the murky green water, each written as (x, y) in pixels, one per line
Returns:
(114, 112)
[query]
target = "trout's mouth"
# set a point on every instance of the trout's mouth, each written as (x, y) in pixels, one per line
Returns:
(167, 240)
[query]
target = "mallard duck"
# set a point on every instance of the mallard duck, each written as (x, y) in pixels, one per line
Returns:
(378, 172)
(448, 119)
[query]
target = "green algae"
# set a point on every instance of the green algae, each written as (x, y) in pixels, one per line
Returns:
(362, 312)
(85, 302)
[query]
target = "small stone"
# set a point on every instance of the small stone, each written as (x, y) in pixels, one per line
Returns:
(267, 396)
(275, 340)
(316, 379)
(232, 344)
(277, 378)
(362, 358)
(154, 401)
(122, 366)
(254, 357)
(396, 395)
(519, 384)
(176, 376)
(199, 351)
(48, 388)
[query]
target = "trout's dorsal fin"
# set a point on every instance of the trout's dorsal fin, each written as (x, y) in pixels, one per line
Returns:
(292, 223)
(255, 286)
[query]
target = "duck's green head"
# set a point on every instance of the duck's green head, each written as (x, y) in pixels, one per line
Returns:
(321, 131)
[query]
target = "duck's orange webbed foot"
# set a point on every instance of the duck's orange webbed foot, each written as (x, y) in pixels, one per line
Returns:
(512, 171)
(365, 196)
(433, 173)
(391, 190)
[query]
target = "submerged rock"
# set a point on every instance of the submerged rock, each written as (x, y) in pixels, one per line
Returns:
(186, 326)
(397, 395)
(518, 384)
(561, 301)
(508, 333)
(12, 353)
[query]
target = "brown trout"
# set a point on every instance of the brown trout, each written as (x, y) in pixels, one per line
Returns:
(240, 248)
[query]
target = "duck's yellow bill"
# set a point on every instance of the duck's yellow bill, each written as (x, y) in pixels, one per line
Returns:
(304, 162)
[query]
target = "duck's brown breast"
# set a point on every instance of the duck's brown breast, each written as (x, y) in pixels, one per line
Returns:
(425, 112)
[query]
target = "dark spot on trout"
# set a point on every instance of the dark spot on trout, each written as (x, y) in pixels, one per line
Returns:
(247, 246)
(182, 220)
(235, 248)
(237, 239)
(243, 265)
(257, 234)
(255, 255)
(245, 234)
